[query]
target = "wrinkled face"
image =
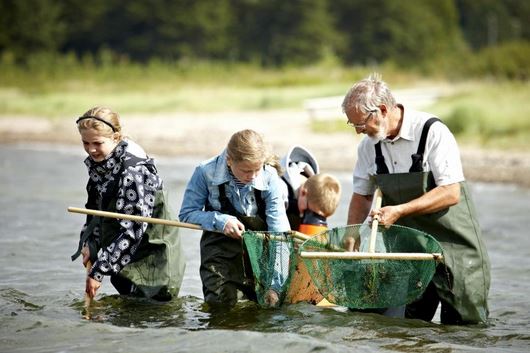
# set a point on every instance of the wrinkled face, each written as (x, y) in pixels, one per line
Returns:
(245, 171)
(371, 123)
(97, 146)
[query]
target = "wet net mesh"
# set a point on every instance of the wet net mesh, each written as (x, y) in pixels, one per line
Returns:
(371, 283)
(272, 257)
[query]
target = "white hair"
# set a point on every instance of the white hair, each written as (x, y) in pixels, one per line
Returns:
(368, 94)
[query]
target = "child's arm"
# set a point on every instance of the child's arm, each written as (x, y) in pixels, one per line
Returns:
(194, 202)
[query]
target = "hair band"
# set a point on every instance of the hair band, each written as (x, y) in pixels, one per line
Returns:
(99, 119)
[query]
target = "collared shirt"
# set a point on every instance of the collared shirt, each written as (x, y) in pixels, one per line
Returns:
(441, 157)
(203, 188)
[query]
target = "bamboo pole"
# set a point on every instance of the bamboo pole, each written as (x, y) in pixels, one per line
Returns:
(166, 222)
(350, 255)
(375, 221)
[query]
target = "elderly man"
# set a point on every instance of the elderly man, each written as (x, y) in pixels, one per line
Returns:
(414, 159)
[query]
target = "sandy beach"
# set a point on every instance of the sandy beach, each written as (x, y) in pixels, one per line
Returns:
(202, 135)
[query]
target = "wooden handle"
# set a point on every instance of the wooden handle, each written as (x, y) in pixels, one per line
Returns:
(375, 222)
(367, 255)
(166, 222)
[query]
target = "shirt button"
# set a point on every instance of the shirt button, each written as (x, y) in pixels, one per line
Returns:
(392, 142)
(395, 162)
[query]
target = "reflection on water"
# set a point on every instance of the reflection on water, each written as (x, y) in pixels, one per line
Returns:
(41, 291)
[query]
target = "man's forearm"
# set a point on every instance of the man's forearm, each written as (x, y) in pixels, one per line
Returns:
(359, 208)
(437, 199)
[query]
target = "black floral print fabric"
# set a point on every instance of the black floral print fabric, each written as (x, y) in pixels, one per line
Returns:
(135, 187)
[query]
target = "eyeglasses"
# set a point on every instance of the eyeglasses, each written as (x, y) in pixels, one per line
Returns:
(363, 124)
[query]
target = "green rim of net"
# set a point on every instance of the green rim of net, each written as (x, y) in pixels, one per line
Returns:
(371, 283)
(272, 257)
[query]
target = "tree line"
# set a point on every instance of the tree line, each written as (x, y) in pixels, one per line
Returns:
(271, 33)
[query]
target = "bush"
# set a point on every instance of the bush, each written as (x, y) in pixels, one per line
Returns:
(508, 61)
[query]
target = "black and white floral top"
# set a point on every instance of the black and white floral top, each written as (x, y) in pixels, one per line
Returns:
(135, 188)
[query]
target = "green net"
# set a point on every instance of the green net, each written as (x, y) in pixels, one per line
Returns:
(272, 257)
(370, 283)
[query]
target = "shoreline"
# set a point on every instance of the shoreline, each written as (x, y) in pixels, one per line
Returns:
(203, 135)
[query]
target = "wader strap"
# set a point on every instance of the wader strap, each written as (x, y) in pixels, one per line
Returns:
(417, 158)
(227, 207)
(380, 160)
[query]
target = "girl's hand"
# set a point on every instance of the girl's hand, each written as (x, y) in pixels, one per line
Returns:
(234, 228)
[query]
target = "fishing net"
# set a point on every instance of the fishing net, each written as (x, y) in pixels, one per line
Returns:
(272, 258)
(369, 283)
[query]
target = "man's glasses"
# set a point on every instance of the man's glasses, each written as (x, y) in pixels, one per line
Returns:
(363, 124)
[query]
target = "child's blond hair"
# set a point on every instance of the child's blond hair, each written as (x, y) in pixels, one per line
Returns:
(248, 145)
(323, 191)
(105, 121)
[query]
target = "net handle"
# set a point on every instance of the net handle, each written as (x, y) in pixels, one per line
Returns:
(167, 222)
(371, 256)
(375, 221)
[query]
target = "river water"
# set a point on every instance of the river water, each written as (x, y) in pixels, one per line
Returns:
(41, 290)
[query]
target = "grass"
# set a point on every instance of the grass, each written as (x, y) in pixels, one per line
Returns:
(488, 114)
(56, 87)
(484, 113)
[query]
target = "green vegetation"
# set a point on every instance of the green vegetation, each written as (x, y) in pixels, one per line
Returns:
(488, 114)
(56, 86)
(221, 55)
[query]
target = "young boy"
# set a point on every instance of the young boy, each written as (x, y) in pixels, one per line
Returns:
(309, 196)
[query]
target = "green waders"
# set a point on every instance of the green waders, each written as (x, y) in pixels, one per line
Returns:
(157, 267)
(225, 265)
(462, 283)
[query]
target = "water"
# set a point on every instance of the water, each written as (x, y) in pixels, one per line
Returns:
(41, 290)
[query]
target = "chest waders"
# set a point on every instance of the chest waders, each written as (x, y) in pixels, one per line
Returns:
(225, 265)
(462, 284)
(157, 267)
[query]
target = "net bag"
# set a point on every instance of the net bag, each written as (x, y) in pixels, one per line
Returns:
(272, 258)
(397, 273)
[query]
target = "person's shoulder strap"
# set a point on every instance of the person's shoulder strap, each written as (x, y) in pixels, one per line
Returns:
(380, 160)
(417, 158)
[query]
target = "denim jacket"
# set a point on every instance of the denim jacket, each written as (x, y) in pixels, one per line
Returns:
(203, 188)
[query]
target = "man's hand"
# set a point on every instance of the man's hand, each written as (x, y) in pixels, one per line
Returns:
(387, 215)
(350, 244)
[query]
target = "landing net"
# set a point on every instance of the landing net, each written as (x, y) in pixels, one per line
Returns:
(272, 258)
(367, 283)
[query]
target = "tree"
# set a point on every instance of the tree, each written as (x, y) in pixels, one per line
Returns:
(408, 32)
(28, 27)
(278, 32)
(492, 22)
